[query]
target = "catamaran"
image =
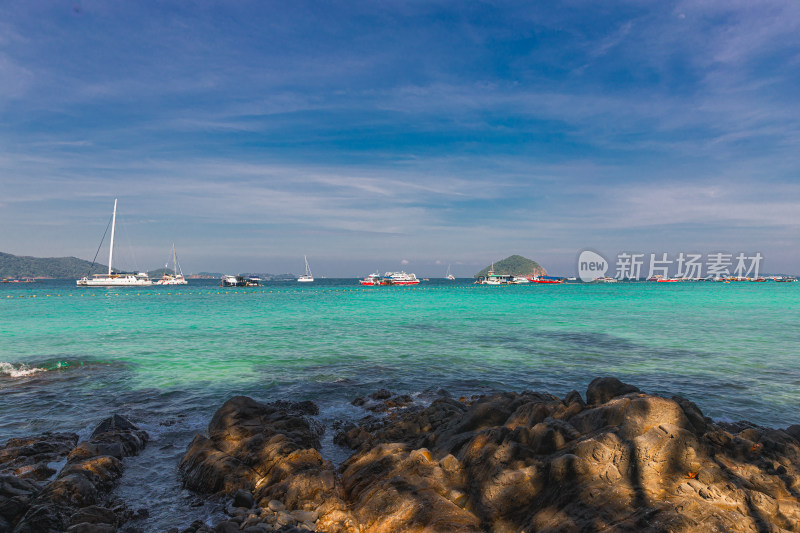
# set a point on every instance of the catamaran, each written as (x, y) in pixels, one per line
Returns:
(307, 277)
(176, 278)
(114, 279)
(449, 275)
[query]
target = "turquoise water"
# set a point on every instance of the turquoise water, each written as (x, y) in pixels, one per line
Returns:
(167, 357)
(730, 347)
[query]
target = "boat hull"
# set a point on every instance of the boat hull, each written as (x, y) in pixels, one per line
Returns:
(120, 281)
(171, 282)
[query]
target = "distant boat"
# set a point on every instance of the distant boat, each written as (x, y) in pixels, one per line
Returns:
(371, 280)
(538, 279)
(307, 277)
(449, 275)
(399, 278)
(495, 279)
(111, 279)
(239, 281)
(390, 278)
(605, 279)
(176, 278)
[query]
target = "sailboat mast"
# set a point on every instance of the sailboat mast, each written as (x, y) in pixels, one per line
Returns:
(113, 226)
(174, 261)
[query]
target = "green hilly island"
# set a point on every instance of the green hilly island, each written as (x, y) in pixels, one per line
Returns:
(515, 265)
(23, 266)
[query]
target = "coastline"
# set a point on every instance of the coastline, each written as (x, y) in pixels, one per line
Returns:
(613, 458)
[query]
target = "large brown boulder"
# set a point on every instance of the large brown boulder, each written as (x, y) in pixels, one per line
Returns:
(246, 440)
(627, 461)
(272, 451)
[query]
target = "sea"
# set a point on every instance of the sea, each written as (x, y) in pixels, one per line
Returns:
(168, 357)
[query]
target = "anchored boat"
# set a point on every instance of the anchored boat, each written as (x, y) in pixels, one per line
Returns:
(239, 281)
(114, 279)
(307, 277)
(176, 278)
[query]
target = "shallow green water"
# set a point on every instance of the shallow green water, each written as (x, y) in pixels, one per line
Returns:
(167, 357)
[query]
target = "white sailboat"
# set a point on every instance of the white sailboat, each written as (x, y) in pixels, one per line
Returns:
(307, 277)
(449, 275)
(176, 278)
(111, 279)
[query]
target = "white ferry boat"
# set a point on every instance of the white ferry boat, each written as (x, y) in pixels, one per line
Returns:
(115, 279)
(399, 278)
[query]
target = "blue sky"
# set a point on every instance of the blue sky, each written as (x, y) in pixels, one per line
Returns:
(399, 134)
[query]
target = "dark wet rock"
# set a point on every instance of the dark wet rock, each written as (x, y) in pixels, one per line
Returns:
(383, 401)
(243, 498)
(78, 498)
(382, 394)
(291, 529)
(113, 424)
(16, 495)
(574, 397)
(193, 527)
(226, 527)
(601, 390)
(33, 457)
(87, 527)
(794, 431)
(94, 514)
(351, 436)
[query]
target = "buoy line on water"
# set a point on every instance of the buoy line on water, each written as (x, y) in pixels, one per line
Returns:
(225, 293)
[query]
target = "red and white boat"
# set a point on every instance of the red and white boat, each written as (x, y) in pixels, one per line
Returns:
(537, 279)
(371, 280)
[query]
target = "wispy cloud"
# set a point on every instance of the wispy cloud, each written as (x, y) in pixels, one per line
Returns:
(401, 131)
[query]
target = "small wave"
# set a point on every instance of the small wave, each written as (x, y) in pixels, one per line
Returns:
(21, 370)
(18, 371)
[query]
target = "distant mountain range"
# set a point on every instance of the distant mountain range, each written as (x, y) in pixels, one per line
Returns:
(515, 265)
(23, 266)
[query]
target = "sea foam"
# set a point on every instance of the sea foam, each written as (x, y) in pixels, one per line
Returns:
(18, 371)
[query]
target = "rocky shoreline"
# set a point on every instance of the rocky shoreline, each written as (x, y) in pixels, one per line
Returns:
(616, 459)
